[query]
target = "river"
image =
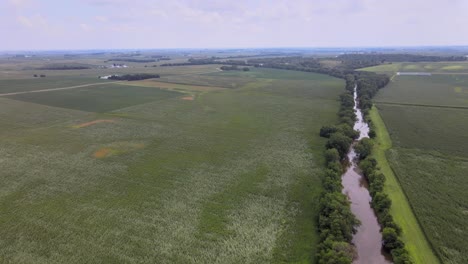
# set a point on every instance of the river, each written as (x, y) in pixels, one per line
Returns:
(368, 239)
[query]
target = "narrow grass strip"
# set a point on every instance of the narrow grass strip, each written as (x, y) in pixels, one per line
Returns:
(416, 242)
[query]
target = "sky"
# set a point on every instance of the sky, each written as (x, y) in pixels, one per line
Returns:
(153, 24)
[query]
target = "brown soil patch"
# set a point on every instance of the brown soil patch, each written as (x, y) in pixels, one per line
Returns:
(94, 122)
(188, 98)
(102, 153)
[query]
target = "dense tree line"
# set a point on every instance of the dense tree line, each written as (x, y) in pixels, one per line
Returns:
(133, 60)
(378, 58)
(381, 203)
(133, 77)
(337, 223)
(368, 84)
(234, 68)
(205, 61)
(340, 138)
(65, 67)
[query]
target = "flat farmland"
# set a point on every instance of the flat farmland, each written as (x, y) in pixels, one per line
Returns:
(434, 67)
(134, 174)
(427, 117)
(31, 84)
(97, 98)
(436, 185)
(435, 90)
(427, 128)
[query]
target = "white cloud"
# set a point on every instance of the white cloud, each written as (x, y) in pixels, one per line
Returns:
(102, 19)
(86, 27)
(20, 4)
(35, 21)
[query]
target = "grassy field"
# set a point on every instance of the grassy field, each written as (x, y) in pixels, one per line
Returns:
(427, 118)
(443, 90)
(434, 67)
(127, 174)
(436, 186)
(416, 242)
(31, 84)
(100, 98)
(427, 128)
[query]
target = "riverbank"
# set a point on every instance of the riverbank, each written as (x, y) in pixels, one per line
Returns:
(416, 242)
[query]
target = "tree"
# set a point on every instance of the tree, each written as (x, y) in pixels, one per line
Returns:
(340, 142)
(363, 148)
(348, 131)
(390, 239)
(381, 202)
(332, 155)
(326, 131)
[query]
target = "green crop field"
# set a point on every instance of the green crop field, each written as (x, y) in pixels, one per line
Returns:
(435, 90)
(116, 173)
(436, 185)
(31, 84)
(427, 128)
(97, 98)
(427, 119)
(435, 67)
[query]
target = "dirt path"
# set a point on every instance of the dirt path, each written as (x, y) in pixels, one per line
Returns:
(58, 89)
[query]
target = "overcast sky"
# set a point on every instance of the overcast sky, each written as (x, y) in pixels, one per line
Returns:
(114, 24)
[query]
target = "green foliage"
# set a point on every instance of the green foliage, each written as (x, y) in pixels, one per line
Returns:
(348, 131)
(134, 77)
(340, 142)
(327, 131)
(391, 240)
(363, 148)
(336, 221)
(336, 253)
(332, 155)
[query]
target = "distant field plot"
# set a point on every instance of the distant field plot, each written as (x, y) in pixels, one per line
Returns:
(232, 176)
(31, 84)
(97, 98)
(436, 67)
(272, 74)
(172, 86)
(436, 187)
(232, 81)
(443, 90)
(428, 128)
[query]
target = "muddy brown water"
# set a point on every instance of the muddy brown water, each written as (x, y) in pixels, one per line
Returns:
(368, 239)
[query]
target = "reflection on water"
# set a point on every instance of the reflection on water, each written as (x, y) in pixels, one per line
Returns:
(368, 239)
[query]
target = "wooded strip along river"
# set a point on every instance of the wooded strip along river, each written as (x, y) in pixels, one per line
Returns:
(368, 239)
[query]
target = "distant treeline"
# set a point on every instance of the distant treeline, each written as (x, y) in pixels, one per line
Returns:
(382, 58)
(192, 61)
(132, 60)
(65, 67)
(234, 68)
(160, 57)
(349, 62)
(134, 77)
